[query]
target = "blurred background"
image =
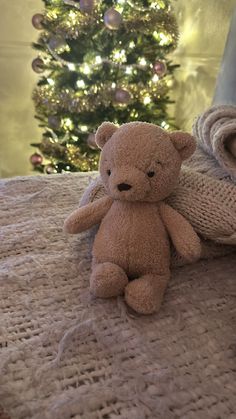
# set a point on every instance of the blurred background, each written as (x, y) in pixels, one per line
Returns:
(203, 28)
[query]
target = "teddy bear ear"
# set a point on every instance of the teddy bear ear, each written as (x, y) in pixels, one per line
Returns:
(104, 132)
(184, 143)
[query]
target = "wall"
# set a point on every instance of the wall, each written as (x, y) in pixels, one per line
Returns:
(17, 124)
(203, 29)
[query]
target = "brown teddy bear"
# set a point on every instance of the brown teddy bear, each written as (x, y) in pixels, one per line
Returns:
(139, 165)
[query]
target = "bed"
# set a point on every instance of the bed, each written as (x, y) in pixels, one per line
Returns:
(64, 354)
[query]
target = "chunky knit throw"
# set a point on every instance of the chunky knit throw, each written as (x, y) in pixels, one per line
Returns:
(65, 355)
(213, 130)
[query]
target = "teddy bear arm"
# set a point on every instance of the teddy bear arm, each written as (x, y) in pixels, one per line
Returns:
(86, 217)
(182, 234)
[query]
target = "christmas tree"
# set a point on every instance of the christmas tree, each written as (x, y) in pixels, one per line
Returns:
(100, 60)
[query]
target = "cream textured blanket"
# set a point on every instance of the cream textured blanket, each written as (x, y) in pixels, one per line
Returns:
(64, 355)
(214, 130)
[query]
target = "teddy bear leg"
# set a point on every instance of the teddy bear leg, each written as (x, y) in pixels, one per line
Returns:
(145, 294)
(107, 280)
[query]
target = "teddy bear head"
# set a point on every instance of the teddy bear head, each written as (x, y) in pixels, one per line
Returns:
(140, 161)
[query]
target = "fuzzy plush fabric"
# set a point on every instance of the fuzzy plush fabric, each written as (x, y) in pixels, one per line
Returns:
(215, 132)
(209, 205)
(139, 166)
(69, 355)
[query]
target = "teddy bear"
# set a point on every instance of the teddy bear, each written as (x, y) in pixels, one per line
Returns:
(139, 166)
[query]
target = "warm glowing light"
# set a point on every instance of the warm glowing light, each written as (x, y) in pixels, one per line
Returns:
(113, 85)
(80, 83)
(155, 78)
(165, 125)
(155, 5)
(51, 82)
(142, 61)
(169, 83)
(134, 113)
(155, 35)
(67, 123)
(146, 100)
(71, 66)
(86, 69)
(129, 70)
(163, 39)
(84, 128)
(98, 59)
(119, 55)
(72, 16)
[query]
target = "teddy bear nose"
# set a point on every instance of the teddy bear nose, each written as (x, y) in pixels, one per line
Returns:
(124, 187)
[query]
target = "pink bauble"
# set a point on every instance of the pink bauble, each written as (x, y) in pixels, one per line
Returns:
(38, 65)
(36, 159)
(86, 6)
(112, 19)
(49, 169)
(122, 96)
(37, 21)
(160, 68)
(54, 122)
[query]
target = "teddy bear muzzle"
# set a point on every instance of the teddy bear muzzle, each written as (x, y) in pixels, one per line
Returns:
(124, 187)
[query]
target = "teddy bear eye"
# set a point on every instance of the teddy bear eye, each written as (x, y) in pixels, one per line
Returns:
(151, 173)
(109, 172)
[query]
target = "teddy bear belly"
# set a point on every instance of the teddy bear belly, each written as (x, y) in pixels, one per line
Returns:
(135, 240)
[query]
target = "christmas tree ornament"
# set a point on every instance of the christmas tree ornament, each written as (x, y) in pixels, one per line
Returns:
(54, 122)
(122, 96)
(91, 141)
(37, 21)
(49, 169)
(112, 19)
(57, 43)
(36, 159)
(160, 68)
(86, 6)
(38, 65)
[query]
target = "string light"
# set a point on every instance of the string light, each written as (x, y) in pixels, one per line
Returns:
(142, 61)
(164, 39)
(73, 17)
(146, 100)
(80, 83)
(165, 125)
(85, 69)
(98, 59)
(155, 5)
(129, 70)
(84, 128)
(67, 123)
(71, 66)
(119, 56)
(155, 78)
(51, 82)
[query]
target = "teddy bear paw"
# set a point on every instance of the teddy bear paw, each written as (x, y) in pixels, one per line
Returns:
(108, 280)
(143, 296)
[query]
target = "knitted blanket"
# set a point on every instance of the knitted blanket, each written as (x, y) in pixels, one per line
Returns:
(66, 355)
(214, 131)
